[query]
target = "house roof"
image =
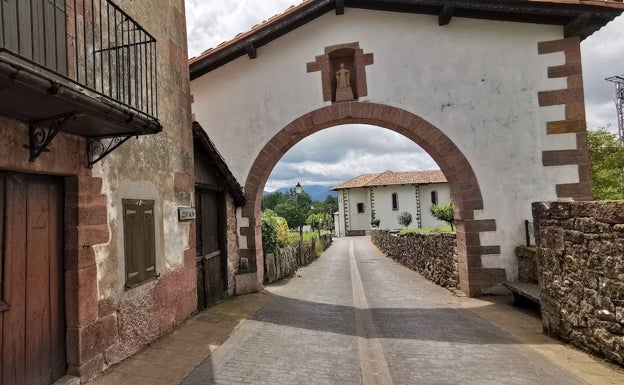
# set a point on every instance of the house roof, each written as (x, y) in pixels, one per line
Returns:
(389, 178)
(579, 17)
(231, 184)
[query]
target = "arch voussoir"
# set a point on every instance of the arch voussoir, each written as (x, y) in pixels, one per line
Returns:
(463, 183)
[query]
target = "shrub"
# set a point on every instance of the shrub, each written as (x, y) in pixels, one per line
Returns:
(275, 232)
(375, 222)
(444, 213)
(405, 219)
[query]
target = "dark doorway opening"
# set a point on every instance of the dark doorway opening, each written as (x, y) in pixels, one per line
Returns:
(211, 247)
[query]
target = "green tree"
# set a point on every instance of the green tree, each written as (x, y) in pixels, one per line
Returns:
(444, 213)
(271, 200)
(405, 219)
(292, 207)
(315, 221)
(331, 202)
(606, 156)
(289, 211)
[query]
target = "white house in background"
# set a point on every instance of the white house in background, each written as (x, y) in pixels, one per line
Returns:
(384, 196)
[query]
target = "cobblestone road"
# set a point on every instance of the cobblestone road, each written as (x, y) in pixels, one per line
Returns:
(355, 317)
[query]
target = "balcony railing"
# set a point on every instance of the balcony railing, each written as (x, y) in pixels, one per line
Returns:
(91, 43)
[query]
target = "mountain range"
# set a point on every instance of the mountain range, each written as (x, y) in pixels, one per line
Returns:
(316, 191)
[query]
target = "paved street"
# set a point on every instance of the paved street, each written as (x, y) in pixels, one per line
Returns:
(355, 317)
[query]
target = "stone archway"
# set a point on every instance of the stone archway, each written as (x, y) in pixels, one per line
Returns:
(463, 183)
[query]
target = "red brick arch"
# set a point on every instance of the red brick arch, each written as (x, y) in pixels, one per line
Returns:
(462, 180)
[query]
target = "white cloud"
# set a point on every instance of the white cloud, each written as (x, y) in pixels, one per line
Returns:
(211, 22)
(340, 153)
(603, 56)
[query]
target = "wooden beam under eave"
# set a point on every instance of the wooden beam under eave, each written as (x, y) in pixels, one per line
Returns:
(251, 51)
(339, 7)
(446, 14)
(578, 25)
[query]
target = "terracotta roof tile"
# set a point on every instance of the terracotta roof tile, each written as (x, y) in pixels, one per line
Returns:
(612, 4)
(393, 178)
(358, 181)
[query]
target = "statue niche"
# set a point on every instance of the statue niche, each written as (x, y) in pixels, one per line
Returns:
(343, 72)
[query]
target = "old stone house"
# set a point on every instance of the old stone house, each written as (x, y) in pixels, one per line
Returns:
(384, 196)
(217, 196)
(492, 90)
(98, 250)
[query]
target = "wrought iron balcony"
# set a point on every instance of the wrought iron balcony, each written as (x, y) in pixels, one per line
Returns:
(79, 66)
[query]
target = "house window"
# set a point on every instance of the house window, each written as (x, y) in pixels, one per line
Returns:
(434, 197)
(395, 201)
(139, 242)
(360, 208)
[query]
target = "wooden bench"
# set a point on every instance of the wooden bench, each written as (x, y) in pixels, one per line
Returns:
(524, 293)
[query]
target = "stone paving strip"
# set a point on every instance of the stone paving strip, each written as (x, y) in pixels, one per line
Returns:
(372, 360)
(172, 358)
(526, 328)
(355, 317)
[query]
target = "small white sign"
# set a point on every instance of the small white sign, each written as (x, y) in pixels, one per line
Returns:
(186, 213)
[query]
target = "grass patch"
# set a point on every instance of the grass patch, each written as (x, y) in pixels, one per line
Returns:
(294, 235)
(441, 229)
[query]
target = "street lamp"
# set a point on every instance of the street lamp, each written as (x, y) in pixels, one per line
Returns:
(299, 190)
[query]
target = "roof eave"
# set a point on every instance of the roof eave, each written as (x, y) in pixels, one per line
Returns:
(233, 187)
(258, 37)
(578, 19)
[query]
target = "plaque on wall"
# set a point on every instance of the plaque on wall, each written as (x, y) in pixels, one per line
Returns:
(186, 213)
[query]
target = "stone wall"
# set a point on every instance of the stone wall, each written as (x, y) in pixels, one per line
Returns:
(433, 255)
(159, 168)
(581, 269)
(527, 264)
(290, 259)
(233, 253)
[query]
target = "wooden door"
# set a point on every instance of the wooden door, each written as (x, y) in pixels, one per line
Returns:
(32, 311)
(211, 256)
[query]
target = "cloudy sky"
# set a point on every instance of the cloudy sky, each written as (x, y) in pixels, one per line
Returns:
(337, 154)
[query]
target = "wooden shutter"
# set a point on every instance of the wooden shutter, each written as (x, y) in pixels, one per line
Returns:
(139, 241)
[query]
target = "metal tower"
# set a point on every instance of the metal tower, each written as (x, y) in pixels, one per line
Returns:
(619, 103)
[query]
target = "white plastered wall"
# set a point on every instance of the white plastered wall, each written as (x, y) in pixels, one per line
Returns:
(475, 80)
(383, 205)
(357, 220)
(444, 197)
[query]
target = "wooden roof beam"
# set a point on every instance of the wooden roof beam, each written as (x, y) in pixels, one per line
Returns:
(250, 48)
(446, 14)
(578, 25)
(340, 7)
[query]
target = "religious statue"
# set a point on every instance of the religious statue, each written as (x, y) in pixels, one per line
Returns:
(343, 77)
(343, 84)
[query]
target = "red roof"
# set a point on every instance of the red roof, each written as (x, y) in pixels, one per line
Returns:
(389, 178)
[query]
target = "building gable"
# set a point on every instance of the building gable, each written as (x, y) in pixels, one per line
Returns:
(580, 18)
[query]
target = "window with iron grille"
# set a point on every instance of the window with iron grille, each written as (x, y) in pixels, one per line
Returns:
(360, 208)
(434, 197)
(139, 241)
